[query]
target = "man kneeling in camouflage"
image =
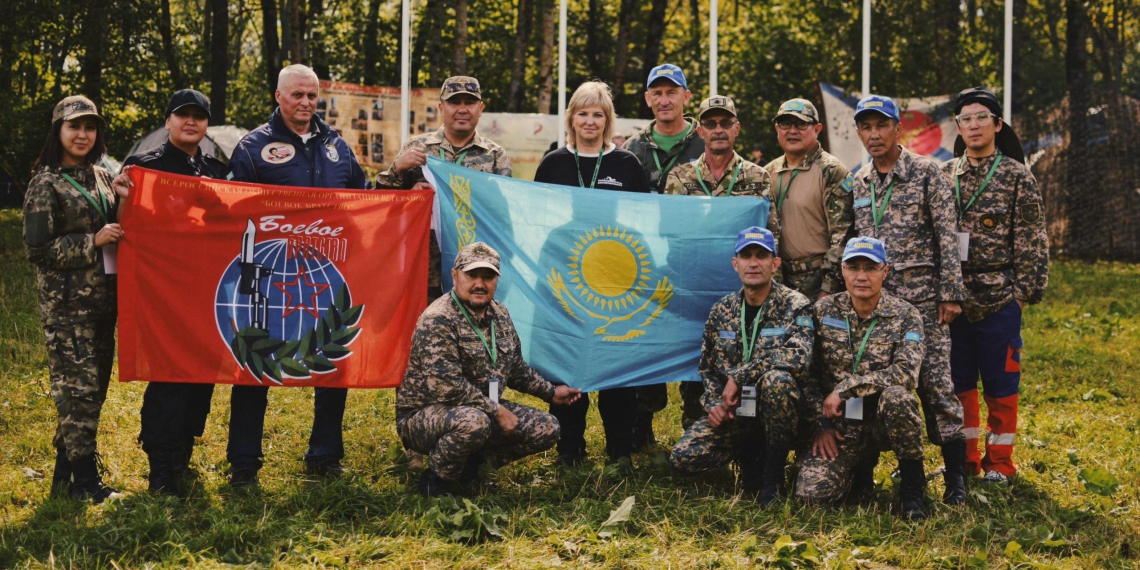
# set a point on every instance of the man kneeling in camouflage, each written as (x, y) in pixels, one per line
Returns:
(464, 352)
(867, 357)
(757, 347)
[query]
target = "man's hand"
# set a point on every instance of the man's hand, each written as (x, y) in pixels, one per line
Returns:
(719, 416)
(827, 444)
(565, 395)
(947, 312)
(422, 186)
(506, 419)
(111, 233)
(731, 396)
(122, 183)
(411, 158)
(831, 406)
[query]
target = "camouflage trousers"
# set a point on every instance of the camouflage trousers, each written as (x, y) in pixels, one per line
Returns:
(896, 426)
(942, 409)
(448, 435)
(809, 283)
(703, 447)
(80, 356)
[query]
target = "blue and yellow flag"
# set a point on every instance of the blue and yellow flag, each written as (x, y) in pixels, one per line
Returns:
(607, 289)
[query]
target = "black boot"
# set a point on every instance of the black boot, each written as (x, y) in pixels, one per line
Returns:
(912, 490)
(863, 480)
(775, 460)
(751, 479)
(161, 476)
(954, 456)
(432, 485)
(643, 437)
(61, 476)
(88, 483)
(180, 458)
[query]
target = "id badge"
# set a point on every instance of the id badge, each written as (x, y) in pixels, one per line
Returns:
(110, 258)
(963, 245)
(747, 407)
(854, 409)
(493, 390)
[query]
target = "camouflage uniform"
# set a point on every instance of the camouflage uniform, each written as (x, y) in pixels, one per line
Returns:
(442, 406)
(779, 365)
(818, 271)
(918, 228)
(889, 370)
(77, 298)
(658, 164)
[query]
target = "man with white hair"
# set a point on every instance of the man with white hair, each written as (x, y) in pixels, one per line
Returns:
(295, 148)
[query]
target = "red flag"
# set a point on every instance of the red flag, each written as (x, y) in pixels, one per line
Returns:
(233, 283)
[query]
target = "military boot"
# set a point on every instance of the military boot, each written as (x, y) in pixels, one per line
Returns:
(88, 483)
(751, 471)
(432, 485)
(180, 458)
(912, 490)
(61, 476)
(863, 479)
(161, 477)
(775, 460)
(957, 489)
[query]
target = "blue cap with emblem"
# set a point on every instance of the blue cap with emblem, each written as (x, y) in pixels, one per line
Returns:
(868, 247)
(877, 104)
(756, 236)
(667, 71)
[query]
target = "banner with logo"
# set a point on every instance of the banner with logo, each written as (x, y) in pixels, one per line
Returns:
(607, 289)
(230, 283)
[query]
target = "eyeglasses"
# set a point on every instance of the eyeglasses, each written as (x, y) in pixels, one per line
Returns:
(983, 118)
(723, 123)
(799, 125)
(867, 269)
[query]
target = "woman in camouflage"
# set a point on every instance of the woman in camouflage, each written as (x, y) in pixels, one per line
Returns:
(70, 235)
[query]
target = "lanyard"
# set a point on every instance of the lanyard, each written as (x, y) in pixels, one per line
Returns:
(863, 345)
(491, 348)
(102, 198)
(597, 168)
(748, 346)
(731, 183)
(458, 159)
(782, 194)
(878, 210)
(985, 183)
(669, 165)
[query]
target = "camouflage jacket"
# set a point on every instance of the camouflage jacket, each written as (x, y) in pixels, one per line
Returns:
(481, 154)
(645, 148)
(783, 343)
(918, 227)
(449, 365)
(892, 358)
(752, 181)
(59, 237)
(832, 198)
(1009, 250)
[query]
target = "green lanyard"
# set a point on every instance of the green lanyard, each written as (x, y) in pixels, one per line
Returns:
(781, 194)
(878, 210)
(458, 159)
(863, 345)
(731, 183)
(748, 346)
(491, 348)
(985, 183)
(673, 161)
(102, 198)
(597, 168)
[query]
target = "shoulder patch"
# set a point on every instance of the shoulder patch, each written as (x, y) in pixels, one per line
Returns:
(805, 322)
(862, 202)
(727, 334)
(1030, 213)
(913, 336)
(848, 184)
(830, 322)
(777, 331)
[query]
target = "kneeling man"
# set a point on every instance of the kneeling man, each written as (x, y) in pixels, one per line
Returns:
(757, 348)
(860, 394)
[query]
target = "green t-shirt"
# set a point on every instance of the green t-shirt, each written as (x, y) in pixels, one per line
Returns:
(666, 143)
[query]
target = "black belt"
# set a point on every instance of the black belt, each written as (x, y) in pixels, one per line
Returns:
(992, 269)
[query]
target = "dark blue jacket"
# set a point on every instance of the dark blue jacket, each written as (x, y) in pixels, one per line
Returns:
(273, 154)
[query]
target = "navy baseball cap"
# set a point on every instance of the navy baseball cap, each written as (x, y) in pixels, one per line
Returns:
(868, 247)
(185, 98)
(878, 104)
(756, 235)
(667, 71)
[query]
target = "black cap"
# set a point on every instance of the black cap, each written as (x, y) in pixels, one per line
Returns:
(1006, 140)
(188, 97)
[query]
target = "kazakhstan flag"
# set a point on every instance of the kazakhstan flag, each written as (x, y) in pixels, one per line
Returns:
(607, 289)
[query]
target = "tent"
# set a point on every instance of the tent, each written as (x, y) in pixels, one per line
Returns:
(219, 142)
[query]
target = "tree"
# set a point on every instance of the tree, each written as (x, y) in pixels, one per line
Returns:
(546, 57)
(655, 33)
(516, 98)
(164, 29)
(621, 54)
(460, 44)
(219, 59)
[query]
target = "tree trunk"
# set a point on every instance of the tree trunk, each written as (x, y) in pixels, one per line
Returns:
(219, 60)
(435, 53)
(621, 53)
(168, 47)
(516, 98)
(286, 15)
(318, 59)
(460, 45)
(421, 37)
(655, 32)
(94, 31)
(1082, 196)
(593, 49)
(371, 72)
(546, 57)
(270, 48)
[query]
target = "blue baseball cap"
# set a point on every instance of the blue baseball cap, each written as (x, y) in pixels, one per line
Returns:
(667, 71)
(868, 247)
(756, 235)
(878, 104)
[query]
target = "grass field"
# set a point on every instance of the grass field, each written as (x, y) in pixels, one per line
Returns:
(1075, 504)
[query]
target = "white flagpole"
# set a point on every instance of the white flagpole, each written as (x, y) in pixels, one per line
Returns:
(562, 11)
(1007, 88)
(405, 70)
(866, 47)
(714, 23)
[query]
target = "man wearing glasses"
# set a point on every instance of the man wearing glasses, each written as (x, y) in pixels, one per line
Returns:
(1005, 263)
(719, 171)
(813, 202)
(904, 200)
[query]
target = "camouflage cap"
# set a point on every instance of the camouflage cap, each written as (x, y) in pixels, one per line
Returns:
(74, 107)
(718, 103)
(801, 109)
(460, 85)
(475, 256)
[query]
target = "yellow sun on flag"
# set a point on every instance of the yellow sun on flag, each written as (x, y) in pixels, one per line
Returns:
(609, 268)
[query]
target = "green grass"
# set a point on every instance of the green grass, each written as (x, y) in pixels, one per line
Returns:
(1077, 413)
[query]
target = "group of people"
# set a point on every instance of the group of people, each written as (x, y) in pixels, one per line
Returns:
(847, 323)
